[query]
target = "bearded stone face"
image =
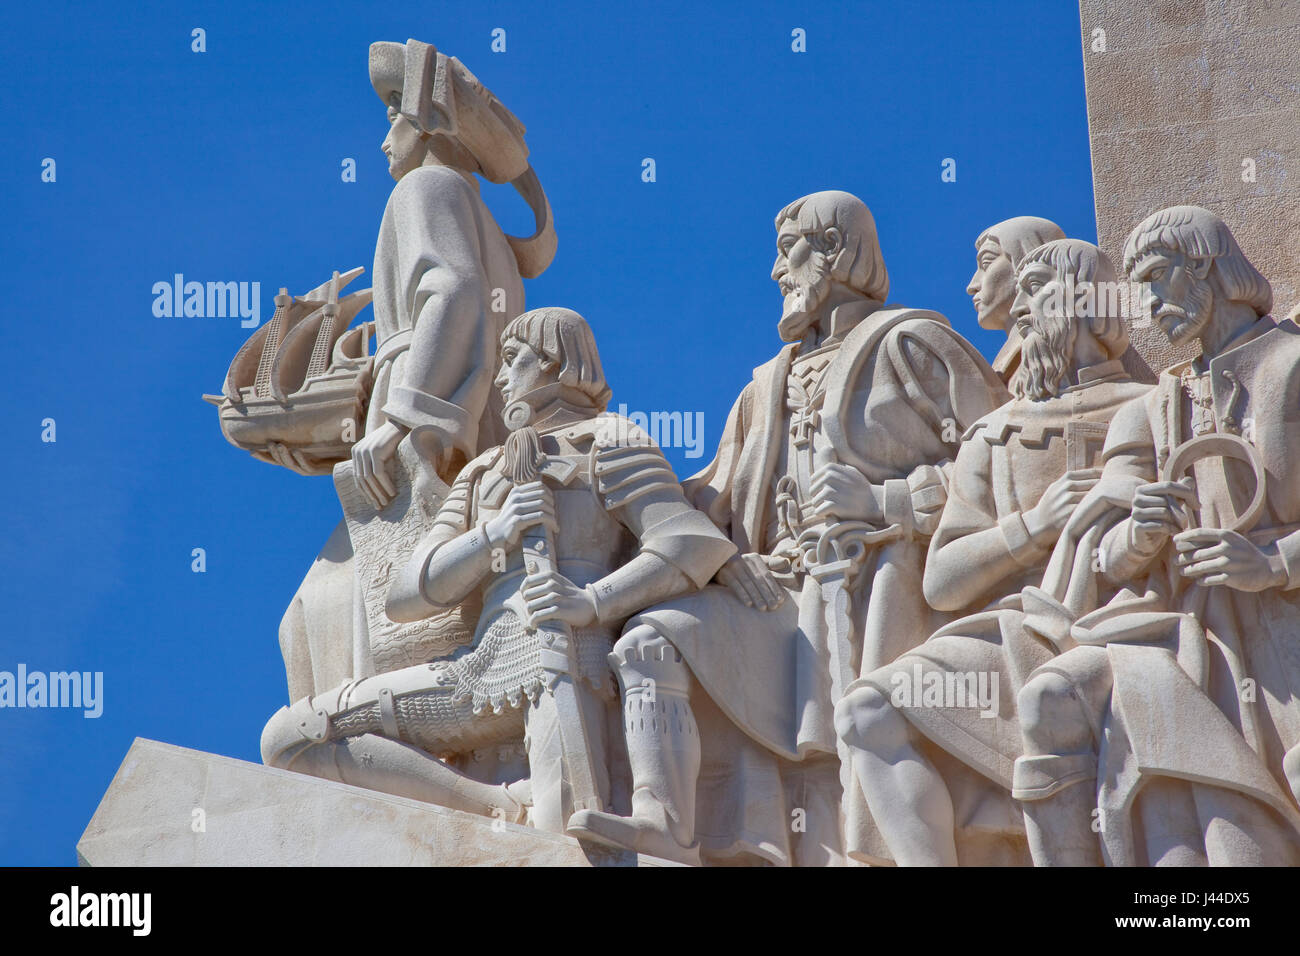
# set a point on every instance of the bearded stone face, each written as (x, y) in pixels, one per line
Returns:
(804, 276)
(993, 286)
(405, 148)
(1044, 315)
(1176, 293)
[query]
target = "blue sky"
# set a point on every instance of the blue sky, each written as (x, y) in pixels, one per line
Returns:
(225, 166)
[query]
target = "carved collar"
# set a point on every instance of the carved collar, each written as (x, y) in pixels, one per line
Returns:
(1095, 374)
(844, 319)
(1200, 365)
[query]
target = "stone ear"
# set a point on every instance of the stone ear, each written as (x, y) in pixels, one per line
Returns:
(833, 241)
(1199, 266)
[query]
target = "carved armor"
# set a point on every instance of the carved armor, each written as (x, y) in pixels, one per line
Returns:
(615, 495)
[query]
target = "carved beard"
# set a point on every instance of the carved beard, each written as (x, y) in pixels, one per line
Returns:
(1046, 354)
(812, 284)
(1188, 319)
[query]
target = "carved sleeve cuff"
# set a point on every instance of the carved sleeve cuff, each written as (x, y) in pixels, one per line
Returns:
(602, 613)
(420, 412)
(1018, 540)
(898, 505)
(1289, 550)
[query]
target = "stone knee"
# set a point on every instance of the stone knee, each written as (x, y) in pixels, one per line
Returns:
(291, 730)
(866, 720)
(1058, 739)
(647, 661)
(1053, 719)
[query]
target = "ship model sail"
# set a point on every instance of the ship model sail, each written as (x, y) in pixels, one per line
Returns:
(297, 391)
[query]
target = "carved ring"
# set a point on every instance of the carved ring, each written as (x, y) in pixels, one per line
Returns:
(1223, 446)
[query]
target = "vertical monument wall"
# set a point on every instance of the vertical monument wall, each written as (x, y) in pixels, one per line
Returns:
(1197, 102)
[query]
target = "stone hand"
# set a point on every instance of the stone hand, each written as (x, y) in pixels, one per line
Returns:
(292, 458)
(370, 458)
(1213, 556)
(750, 580)
(1058, 502)
(553, 597)
(1160, 509)
(841, 491)
(526, 506)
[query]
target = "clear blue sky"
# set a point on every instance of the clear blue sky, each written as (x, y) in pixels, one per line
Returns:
(225, 166)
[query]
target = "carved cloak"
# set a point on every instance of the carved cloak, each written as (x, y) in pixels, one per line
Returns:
(900, 391)
(1179, 654)
(446, 284)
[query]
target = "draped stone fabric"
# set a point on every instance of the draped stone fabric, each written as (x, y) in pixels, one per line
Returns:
(903, 387)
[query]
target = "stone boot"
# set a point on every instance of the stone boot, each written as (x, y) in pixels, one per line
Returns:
(663, 747)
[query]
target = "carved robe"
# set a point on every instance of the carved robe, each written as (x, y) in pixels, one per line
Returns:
(980, 558)
(445, 285)
(1169, 668)
(897, 389)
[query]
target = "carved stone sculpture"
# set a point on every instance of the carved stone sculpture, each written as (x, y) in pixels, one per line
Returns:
(1173, 716)
(446, 281)
(999, 250)
(557, 535)
(934, 734)
(826, 481)
(296, 393)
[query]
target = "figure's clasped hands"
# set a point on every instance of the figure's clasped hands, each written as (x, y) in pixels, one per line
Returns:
(526, 506)
(553, 597)
(1214, 556)
(841, 491)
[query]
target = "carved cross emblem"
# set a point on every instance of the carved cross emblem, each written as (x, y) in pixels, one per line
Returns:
(805, 394)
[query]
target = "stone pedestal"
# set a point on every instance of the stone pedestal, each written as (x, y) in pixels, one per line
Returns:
(170, 806)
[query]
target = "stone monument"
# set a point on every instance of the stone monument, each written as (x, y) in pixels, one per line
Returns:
(920, 609)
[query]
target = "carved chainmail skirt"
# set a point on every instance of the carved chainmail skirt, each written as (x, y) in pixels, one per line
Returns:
(477, 697)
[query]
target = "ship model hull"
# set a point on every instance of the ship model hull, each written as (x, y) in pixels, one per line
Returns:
(298, 389)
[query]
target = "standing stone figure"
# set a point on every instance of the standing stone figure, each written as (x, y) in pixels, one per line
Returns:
(826, 481)
(558, 535)
(1173, 721)
(446, 281)
(1020, 473)
(999, 250)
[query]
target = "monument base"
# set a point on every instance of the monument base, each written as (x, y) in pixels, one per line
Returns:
(171, 806)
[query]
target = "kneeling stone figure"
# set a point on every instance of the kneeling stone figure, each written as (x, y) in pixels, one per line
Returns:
(573, 524)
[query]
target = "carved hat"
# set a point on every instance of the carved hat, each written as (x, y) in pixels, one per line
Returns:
(439, 96)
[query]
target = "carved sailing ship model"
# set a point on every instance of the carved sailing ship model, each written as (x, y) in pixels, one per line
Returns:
(297, 391)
